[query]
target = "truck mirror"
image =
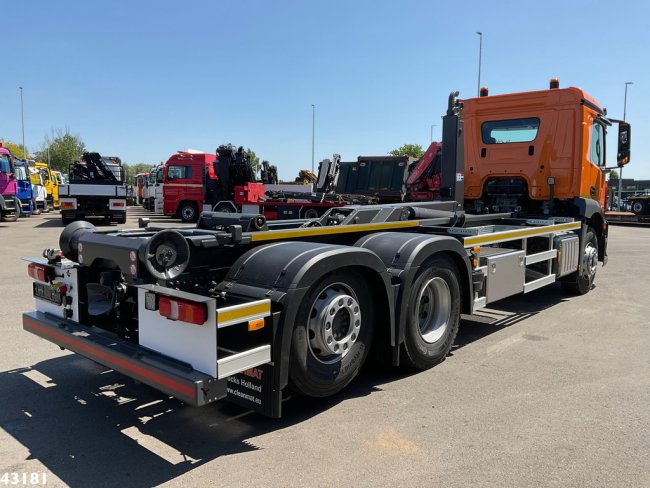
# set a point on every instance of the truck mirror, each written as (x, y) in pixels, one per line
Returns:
(623, 156)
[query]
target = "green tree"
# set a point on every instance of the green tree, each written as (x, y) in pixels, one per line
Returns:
(130, 170)
(412, 150)
(64, 148)
(613, 175)
(14, 148)
(255, 160)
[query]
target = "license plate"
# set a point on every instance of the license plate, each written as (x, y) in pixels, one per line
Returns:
(47, 293)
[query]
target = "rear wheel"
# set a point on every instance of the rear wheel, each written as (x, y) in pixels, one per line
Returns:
(188, 212)
(582, 281)
(311, 213)
(224, 208)
(640, 207)
(434, 314)
(332, 335)
(121, 219)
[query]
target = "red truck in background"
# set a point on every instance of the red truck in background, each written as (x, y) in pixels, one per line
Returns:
(226, 182)
(223, 182)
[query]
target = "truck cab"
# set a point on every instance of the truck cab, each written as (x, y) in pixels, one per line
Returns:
(184, 188)
(539, 153)
(50, 182)
(9, 206)
(154, 179)
(139, 183)
(25, 192)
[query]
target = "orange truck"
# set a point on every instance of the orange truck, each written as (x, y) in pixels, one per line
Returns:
(540, 153)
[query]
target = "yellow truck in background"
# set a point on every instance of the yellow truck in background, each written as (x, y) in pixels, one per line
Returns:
(50, 182)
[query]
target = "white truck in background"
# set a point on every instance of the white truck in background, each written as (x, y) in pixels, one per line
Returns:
(95, 189)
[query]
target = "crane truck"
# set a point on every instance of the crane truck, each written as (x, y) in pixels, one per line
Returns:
(95, 189)
(244, 309)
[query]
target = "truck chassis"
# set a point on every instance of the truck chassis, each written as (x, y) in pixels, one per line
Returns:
(293, 303)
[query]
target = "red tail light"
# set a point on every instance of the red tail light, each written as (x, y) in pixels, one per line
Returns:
(118, 204)
(183, 310)
(39, 272)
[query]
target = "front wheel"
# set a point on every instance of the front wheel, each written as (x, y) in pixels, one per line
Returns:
(434, 314)
(10, 218)
(35, 209)
(332, 335)
(188, 212)
(580, 282)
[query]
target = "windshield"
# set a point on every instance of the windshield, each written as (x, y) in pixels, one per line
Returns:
(21, 174)
(5, 164)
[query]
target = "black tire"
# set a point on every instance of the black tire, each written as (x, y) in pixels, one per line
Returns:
(640, 207)
(10, 218)
(313, 370)
(433, 315)
(311, 213)
(35, 209)
(67, 220)
(188, 212)
(579, 283)
(224, 208)
(121, 219)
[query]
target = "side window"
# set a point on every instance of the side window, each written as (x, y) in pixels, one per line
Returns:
(176, 172)
(597, 151)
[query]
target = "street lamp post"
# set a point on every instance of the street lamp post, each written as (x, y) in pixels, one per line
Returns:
(22, 122)
(313, 125)
(480, 55)
(432, 126)
(620, 170)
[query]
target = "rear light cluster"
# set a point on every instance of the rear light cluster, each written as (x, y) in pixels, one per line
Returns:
(67, 205)
(183, 310)
(40, 272)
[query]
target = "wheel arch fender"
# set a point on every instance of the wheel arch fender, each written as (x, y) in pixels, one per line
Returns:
(403, 254)
(285, 271)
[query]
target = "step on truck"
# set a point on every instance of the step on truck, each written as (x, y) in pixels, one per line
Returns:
(95, 189)
(242, 309)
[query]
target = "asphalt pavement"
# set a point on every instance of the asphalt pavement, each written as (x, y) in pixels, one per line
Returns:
(540, 390)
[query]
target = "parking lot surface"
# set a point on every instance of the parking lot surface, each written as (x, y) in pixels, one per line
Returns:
(540, 390)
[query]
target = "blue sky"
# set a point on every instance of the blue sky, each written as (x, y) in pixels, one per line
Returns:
(143, 79)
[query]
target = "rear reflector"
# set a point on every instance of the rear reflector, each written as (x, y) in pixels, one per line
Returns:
(118, 204)
(39, 272)
(183, 310)
(67, 205)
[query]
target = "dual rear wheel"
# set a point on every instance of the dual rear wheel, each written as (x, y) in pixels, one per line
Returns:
(337, 319)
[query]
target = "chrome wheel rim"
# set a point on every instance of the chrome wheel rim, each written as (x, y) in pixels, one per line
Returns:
(334, 322)
(590, 261)
(433, 309)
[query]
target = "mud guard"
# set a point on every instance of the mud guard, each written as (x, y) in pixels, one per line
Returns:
(403, 254)
(284, 272)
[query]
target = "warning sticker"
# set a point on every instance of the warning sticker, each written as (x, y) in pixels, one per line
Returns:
(460, 176)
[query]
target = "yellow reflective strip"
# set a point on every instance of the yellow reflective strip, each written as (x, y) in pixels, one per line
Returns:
(242, 313)
(323, 231)
(515, 234)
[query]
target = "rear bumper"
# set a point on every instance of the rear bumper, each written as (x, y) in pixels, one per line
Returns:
(79, 214)
(156, 370)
